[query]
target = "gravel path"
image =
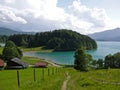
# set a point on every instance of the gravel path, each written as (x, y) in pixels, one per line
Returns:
(64, 86)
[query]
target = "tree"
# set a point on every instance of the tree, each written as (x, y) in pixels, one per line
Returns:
(100, 63)
(112, 61)
(82, 59)
(11, 51)
(108, 58)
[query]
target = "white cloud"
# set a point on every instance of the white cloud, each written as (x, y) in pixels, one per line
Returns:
(8, 16)
(48, 10)
(40, 15)
(9, 1)
(94, 19)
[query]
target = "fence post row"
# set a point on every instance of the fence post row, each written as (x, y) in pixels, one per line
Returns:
(18, 78)
(52, 71)
(57, 70)
(43, 73)
(48, 72)
(34, 75)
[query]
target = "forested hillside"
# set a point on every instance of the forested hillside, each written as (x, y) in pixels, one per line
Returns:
(3, 38)
(59, 40)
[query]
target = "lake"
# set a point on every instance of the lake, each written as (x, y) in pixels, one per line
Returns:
(104, 48)
(2, 44)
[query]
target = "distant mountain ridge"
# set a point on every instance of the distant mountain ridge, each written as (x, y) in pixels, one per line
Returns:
(8, 31)
(108, 35)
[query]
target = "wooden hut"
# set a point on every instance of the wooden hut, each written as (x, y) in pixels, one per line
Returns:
(16, 63)
(41, 64)
(1, 63)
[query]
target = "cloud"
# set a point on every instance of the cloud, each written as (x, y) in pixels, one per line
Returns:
(8, 16)
(89, 18)
(9, 1)
(42, 15)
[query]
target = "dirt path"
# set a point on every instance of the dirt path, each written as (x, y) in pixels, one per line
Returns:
(64, 86)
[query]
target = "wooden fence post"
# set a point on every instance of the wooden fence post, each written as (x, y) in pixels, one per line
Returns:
(52, 71)
(34, 75)
(56, 70)
(43, 73)
(18, 78)
(48, 72)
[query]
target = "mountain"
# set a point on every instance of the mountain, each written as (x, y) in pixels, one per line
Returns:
(8, 31)
(108, 35)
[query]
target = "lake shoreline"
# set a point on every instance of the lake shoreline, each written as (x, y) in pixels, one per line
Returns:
(48, 61)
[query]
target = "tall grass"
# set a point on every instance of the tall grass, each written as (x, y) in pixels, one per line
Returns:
(8, 79)
(95, 80)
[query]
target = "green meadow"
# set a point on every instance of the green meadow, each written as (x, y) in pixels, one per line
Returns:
(32, 60)
(41, 49)
(53, 77)
(92, 80)
(51, 81)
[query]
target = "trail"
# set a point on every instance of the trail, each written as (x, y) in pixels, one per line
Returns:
(64, 86)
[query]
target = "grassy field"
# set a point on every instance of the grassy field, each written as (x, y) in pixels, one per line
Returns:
(8, 79)
(41, 49)
(94, 80)
(32, 60)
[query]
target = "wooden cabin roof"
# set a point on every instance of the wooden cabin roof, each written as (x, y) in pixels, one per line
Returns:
(1, 63)
(18, 61)
(41, 64)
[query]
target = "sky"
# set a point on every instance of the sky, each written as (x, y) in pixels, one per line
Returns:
(83, 16)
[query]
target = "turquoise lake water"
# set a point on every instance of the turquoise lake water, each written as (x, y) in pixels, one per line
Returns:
(104, 48)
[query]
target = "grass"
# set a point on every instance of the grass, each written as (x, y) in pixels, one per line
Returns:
(1, 48)
(32, 60)
(94, 80)
(41, 49)
(8, 79)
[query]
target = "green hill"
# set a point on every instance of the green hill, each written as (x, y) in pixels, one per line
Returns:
(59, 40)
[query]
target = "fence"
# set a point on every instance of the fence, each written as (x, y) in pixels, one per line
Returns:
(45, 72)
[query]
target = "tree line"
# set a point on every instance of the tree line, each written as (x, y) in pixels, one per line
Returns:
(3, 38)
(110, 61)
(59, 40)
(84, 61)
